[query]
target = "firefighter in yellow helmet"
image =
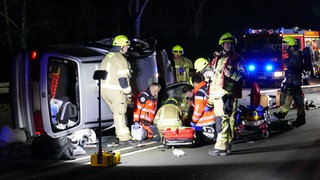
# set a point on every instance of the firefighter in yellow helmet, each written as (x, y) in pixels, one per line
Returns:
(169, 115)
(293, 80)
(225, 89)
(203, 66)
(116, 89)
(182, 64)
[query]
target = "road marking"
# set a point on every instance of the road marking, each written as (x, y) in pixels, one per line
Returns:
(142, 150)
(122, 149)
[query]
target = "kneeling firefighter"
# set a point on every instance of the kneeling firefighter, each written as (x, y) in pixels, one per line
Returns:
(203, 120)
(168, 116)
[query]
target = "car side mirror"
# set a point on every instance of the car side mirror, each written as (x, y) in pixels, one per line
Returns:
(100, 74)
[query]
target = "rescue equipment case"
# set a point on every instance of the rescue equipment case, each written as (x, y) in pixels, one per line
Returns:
(108, 159)
(138, 132)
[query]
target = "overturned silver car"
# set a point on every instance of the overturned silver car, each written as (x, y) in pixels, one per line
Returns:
(54, 92)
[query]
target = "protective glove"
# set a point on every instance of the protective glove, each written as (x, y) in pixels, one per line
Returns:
(130, 103)
(207, 108)
(195, 127)
(129, 98)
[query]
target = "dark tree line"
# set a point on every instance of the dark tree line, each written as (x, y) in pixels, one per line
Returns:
(31, 23)
(194, 24)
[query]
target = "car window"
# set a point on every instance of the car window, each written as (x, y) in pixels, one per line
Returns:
(175, 91)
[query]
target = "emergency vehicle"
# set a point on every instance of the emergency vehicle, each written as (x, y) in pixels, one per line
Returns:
(46, 80)
(304, 38)
(262, 50)
(308, 40)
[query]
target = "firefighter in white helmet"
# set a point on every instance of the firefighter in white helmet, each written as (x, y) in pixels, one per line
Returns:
(182, 64)
(116, 89)
(225, 89)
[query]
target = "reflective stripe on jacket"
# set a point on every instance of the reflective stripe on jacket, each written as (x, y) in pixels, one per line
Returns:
(117, 67)
(146, 106)
(200, 117)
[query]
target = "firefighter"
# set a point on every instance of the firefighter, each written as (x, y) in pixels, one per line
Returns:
(225, 88)
(116, 89)
(187, 103)
(146, 106)
(168, 116)
(203, 66)
(200, 117)
(293, 62)
(182, 64)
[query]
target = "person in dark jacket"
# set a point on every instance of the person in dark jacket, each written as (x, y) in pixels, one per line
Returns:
(293, 80)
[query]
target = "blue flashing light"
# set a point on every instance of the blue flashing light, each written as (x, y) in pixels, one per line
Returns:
(251, 67)
(269, 67)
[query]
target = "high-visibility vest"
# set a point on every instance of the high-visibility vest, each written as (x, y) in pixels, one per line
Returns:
(200, 117)
(146, 106)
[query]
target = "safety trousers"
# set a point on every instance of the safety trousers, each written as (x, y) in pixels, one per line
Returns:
(226, 136)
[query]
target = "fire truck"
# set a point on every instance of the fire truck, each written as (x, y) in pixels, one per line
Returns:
(262, 50)
(309, 42)
(304, 38)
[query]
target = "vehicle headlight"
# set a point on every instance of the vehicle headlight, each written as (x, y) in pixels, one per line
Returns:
(278, 74)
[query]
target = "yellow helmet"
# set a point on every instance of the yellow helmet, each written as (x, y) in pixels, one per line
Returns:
(200, 64)
(171, 101)
(190, 81)
(227, 37)
(289, 40)
(177, 49)
(121, 40)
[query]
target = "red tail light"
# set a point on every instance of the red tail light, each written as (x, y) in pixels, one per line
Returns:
(38, 123)
(33, 55)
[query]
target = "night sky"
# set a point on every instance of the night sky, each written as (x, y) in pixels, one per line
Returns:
(170, 21)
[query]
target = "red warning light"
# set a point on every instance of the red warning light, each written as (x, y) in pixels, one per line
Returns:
(33, 55)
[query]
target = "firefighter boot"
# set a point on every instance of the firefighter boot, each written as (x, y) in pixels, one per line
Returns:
(299, 122)
(217, 152)
(279, 115)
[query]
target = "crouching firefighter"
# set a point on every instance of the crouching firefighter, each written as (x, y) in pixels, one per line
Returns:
(225, 89)
(203, 120)
(169, 115)
(146, 106)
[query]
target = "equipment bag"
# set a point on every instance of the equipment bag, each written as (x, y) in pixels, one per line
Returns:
(46, 147)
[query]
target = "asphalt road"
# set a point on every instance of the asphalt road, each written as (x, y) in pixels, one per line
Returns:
(286, 154)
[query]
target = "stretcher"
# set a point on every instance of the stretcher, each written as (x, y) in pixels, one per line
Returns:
(181, 136)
